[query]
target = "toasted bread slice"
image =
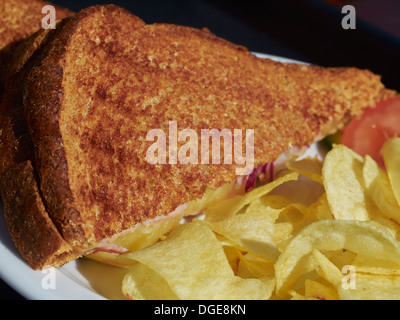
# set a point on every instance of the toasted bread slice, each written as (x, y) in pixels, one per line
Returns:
(19, 19)
(96, 85)
(22, 202)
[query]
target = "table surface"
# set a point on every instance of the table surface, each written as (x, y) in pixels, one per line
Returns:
(307, 30)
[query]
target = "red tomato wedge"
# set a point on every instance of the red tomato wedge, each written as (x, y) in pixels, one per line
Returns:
(367, 134)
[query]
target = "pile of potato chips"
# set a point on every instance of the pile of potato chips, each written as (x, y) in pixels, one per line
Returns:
(322, 230)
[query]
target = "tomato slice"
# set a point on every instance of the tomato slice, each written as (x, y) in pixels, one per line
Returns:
(367, 134)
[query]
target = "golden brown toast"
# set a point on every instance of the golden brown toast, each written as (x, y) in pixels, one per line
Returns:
(88, 93)
(19, 19)
(22, 202)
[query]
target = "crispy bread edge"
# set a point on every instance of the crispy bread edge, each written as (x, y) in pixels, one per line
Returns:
(30, 226)
(43, 96)
(31, 229)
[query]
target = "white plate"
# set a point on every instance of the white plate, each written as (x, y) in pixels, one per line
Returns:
(79, 280)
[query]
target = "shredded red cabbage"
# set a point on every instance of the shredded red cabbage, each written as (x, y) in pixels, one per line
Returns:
(267, 172)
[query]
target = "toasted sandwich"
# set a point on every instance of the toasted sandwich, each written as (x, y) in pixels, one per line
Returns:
(79, 103)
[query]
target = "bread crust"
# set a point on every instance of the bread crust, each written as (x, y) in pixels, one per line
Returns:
(31, 228)
(19, 19)
(103, 79)
(33, 232)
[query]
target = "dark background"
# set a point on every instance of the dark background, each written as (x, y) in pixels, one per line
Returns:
(307, 30)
